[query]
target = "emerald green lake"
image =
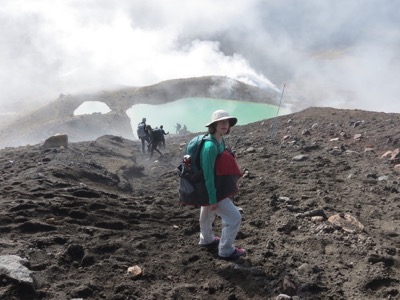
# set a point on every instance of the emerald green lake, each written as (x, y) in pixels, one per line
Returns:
(196, 112)
(192, 112)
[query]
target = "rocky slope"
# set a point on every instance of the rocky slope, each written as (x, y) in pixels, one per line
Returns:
(83, 215)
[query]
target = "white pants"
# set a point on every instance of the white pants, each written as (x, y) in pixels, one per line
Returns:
(231, 219)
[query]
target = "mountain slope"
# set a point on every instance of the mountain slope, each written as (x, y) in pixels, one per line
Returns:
(82, 215)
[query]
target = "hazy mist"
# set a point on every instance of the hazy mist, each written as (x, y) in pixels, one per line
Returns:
(342, 53)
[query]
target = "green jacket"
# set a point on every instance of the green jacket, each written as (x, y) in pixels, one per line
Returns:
(209, 154)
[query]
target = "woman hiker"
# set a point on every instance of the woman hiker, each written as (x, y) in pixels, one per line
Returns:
(215, 160)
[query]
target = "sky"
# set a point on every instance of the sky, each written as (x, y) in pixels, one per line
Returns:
(336, 53)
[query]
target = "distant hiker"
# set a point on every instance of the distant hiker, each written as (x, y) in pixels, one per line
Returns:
(155, 139)
(184, 130)
(143, 134)
(217, 164)
(178, 128)
(163, 136)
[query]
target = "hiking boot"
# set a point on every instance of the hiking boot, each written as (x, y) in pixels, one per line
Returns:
(236, 254)
(213, 244)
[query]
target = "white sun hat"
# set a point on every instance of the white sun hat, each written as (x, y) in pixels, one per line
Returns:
(220, 115)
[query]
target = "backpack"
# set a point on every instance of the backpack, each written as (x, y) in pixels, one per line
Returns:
(141, 130)
(192, 189)
(193, 149)
(157, 134)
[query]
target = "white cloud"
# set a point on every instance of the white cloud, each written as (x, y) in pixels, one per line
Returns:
(337, 53)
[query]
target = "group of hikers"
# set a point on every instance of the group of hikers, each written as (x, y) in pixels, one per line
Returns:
(154, 137)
